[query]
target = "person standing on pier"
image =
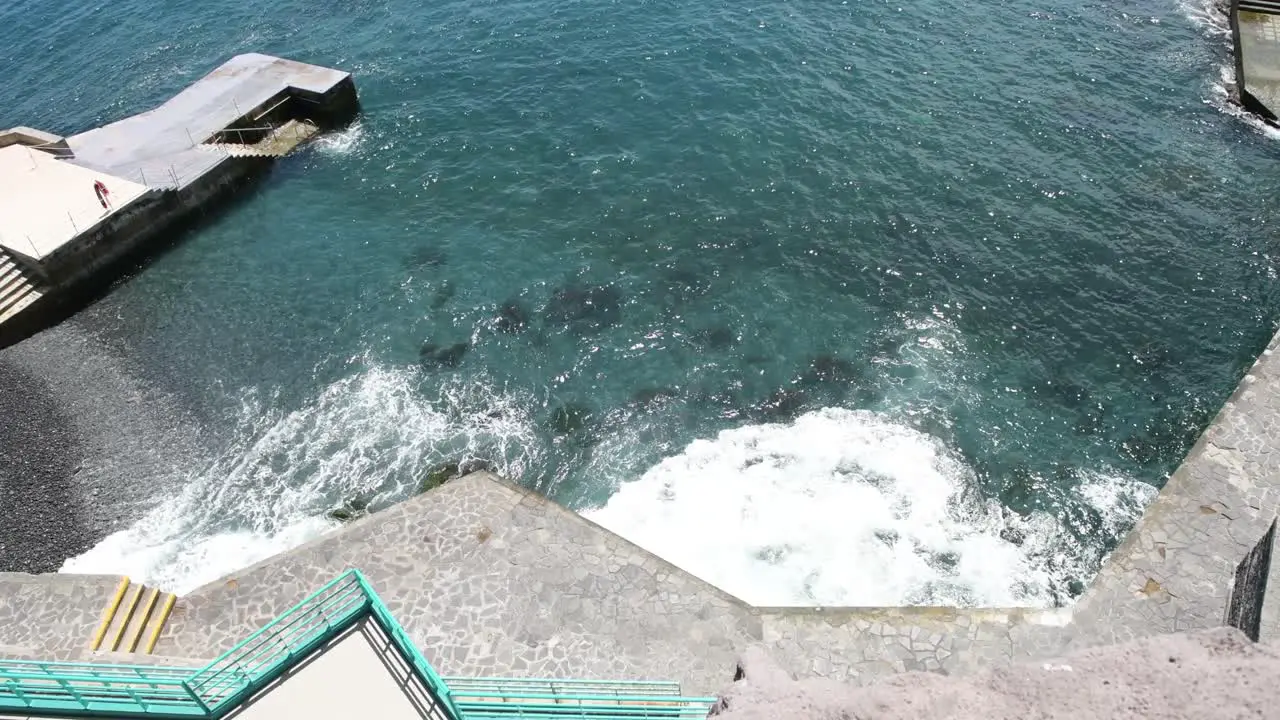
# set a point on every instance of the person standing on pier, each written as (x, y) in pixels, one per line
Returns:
(104, 195)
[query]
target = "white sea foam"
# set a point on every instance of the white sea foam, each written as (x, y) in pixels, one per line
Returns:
(1208, 15)
(372, 434)
(1119, 500)
(845, 507)
(344, 142)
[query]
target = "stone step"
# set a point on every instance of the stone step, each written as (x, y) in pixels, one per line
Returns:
(18, 290)
(279, 143)
(8, 265)
(11, 280)
(14, 294)
(22, 304)
(133, 619)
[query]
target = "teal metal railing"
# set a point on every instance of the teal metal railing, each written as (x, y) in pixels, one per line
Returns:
(96, 690)
(88, 689)
(213, 690)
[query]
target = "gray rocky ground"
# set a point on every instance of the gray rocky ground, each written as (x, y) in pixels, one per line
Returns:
(1205, 675)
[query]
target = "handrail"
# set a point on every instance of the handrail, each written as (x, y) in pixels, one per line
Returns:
(121, 691)
(408, 649)
(287, 97)
(238, 672)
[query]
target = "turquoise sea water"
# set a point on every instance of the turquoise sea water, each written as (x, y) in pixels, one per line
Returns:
(941, 290)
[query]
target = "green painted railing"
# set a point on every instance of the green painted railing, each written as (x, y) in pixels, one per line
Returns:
(212, 691)
(96, 690)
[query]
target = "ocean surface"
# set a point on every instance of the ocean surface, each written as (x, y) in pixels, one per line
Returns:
(831, 303)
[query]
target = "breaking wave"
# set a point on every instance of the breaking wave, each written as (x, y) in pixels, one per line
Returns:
(372, 435)
(850, 508)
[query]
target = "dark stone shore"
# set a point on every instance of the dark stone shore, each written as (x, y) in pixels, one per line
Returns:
(40, 521)
(86, 446)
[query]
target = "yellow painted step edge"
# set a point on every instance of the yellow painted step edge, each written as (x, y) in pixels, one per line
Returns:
(109, 613)
(142, 620)
(128, 615)
(164, 615)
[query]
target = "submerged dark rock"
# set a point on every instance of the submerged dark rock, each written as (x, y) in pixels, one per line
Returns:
(1020, 489)
(1059, 390)
(1152, 355)
(680, 286)
(830, 369)
(584, 309)
(1167, 437)
(1013, 536)
(717, 338)
(647, 396)
(512, 317)
(425, 257)
(443, 294)
(351, 509)
(1092, 420)
(781, 406)
(444, 472)
(438, 476)
(569, 418)
(436, 356)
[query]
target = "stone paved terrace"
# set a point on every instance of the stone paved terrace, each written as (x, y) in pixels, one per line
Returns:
(491, 579)
(1175, 570)
(52, 616)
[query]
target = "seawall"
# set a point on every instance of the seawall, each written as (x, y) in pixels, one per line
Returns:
(491, 579)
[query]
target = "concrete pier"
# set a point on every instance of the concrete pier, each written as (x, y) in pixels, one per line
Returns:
(1255, 27)
(159, 168)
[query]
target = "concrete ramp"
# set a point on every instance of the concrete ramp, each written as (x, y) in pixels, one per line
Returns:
(357, 675)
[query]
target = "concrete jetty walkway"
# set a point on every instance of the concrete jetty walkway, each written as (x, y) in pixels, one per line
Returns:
(166, 146)
(157, 168)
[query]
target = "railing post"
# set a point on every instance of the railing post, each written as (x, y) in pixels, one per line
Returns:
(192, 694)
(70, 691)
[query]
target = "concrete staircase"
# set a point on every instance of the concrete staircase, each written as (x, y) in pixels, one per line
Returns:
(1268, 7)
(17, 290)
(133, 619)
(278, 143)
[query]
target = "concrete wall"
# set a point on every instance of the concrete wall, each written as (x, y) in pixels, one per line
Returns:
(334, 108)
(135, 228)
(1249, 591)
(30, 137)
